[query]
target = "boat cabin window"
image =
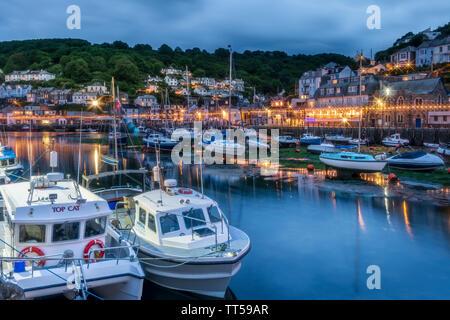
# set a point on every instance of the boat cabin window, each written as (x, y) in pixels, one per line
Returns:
(151, 222)
(142, 215)
(31, 233)
(214, 214)
(169, 223)
(66, 231)
(95, 227)
(194, 218)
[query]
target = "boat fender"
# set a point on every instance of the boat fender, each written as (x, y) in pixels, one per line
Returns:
(310, 167)
(36, 250)
(88, 247)
(184, 191)
(392, 177)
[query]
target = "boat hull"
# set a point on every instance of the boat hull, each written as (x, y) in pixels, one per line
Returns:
(355, 166)
(315, 141)
(208, 278)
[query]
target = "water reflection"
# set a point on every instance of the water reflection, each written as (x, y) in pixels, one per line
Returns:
(313, 238)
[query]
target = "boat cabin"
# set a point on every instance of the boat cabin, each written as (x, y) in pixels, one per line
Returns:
(52, 216)
(179, 217)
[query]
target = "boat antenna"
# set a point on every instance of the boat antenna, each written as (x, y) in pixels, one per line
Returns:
(30, 153)
(201, 173)
(158, 151)
(79, 146)
(229, 98)
(360, 102)
(114, 119)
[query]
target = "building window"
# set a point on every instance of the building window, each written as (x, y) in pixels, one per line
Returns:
(435, 118)
(444, 118)
(400, 101)
(418, 101)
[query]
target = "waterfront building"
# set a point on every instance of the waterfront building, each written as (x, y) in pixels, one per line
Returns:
(39, 95)
(436, 52)
(60, 97)
(84, 98)
(28, 75)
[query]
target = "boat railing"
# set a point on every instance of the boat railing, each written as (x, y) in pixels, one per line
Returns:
(67, 261)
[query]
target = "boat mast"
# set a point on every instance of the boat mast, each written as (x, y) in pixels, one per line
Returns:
(114, 119)
(360, 102)
(229, 98)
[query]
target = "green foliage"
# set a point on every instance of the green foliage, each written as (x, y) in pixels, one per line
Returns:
(77, 62)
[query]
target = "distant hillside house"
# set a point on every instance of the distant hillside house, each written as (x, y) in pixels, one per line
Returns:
(97, 87)
(28, 75)
(171, 81)
(146, 101)
(404, 57)
(436, 51)
(171, 71)
(84, 98)
(14, 91)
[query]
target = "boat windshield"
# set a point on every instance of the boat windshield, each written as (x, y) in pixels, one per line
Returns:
(169, 223)
(95, 227)
(194, 218)
(214, 214)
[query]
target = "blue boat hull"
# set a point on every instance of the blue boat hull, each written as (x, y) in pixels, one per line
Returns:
(311, 141)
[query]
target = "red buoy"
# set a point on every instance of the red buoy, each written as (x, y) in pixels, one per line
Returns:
(297, 150)
(310, 167)
(371, 148)
(448, 170)
(392, 177)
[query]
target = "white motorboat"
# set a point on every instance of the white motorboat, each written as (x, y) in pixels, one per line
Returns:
(156, 140)
(287, 141)
(431, 145)
(338, 139)
(354, 162)
(9, 164)
(415, 161)
(186, 242)
(225, 147)
(56, 239)
(444, 151)
(327, 147)
(358, 141)
(394, 140)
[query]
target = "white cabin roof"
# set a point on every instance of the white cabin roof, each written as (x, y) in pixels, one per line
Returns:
(42, 209)
(172, 202)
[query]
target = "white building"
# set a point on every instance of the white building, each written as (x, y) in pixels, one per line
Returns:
(84, 98)
(171, 71)
(171, 81)
(436, 51)
(97, 87)
(28, 75)
(404, 56)
(146, 101)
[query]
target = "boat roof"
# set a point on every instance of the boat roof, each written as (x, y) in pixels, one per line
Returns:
(65, 205)
(7, 153)
(172, 201)
(411, 155)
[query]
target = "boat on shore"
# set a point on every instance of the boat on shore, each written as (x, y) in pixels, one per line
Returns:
(9, 165)
(122, 139)
(328, 148)
(158, 141)
(338, 139)
(186, 242)
(353, 162)
(415, 161)
(444, 151)
(395, 140)
(287, 141)
(359, 141)
(431, 145)
(308, 139)
(57, 240)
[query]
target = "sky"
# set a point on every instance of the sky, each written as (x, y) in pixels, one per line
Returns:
(293, 26)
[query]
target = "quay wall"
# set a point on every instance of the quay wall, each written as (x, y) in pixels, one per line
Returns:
(416, 136)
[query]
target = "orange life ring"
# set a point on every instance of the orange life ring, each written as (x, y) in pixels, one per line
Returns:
(88, 247)
(36, 250)
(184, 191)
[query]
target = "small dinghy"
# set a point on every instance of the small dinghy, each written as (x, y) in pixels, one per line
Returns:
(444, 151)
(328, 147)
(308, 138)
(287, 141)
(394, 140)
(354, 162)
(431, 145)
(416, 161)
(338, 139)
(158, 141)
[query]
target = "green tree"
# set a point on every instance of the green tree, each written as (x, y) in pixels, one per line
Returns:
(77, 70)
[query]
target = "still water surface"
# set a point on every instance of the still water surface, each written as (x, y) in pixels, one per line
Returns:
(311, 238)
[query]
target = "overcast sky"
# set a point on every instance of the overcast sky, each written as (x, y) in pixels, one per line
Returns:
(294, 26)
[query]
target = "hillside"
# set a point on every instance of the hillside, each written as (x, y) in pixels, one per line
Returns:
(77, 62)
(414, 40)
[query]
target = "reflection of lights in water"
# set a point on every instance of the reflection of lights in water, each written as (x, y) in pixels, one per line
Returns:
(405, 215)
(333, 200)
(386, 205)
(360, 217)
(124, 163)
(96, 160)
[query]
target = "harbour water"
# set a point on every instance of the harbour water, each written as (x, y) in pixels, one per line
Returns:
(312, 238)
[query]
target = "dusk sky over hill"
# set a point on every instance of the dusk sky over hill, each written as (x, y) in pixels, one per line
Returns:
(287, 25)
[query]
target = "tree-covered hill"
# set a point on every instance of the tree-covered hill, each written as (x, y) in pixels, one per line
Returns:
(77, 62)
